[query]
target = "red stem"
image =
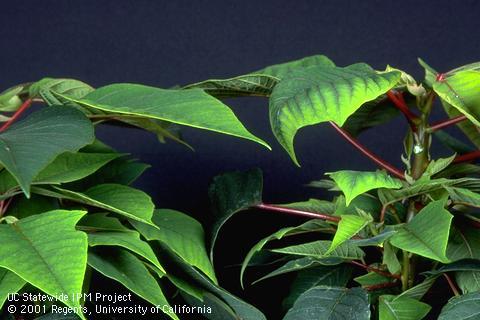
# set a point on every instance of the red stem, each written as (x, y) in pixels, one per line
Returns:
(451, 284)
(467, 157)
(380, 272)
(17, 113)
(382, 163)
(381, 286)
(399, 102)
(295, 212)
(446, 123)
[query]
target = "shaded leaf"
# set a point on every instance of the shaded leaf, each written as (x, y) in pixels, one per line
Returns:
(46, 134)
(402, 308)
(318, 249)
(464, 307)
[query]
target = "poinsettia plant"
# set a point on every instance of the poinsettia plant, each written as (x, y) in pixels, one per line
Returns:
(68, 211)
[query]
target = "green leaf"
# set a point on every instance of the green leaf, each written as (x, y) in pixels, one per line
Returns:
(390, 258)
(316, 94)
(452, 143)
(468, 281)
(423, 237)
(194, 107)
(337, 276)
(192, 276)
(331, 303)
(312, 205)
(464, 197)
(9, 283)
(355, 183)
(372, 278)
(467, 127)
(46, 134)
(464, 243)
(309, 226)
(126, 201)
(417, 292)
(463, 307)
(70, 87)
(460, 265)
(377, 240)
(182, 234)
(460, 90)
(437, 165)
(318, 249)
(96, 222)
(348, 226)
(230, 193)
(282, 69)
(402, 308)
(127, 269)
(129, 240)
(430, 73)
(245, 85)
(10, 100)
(35, 249)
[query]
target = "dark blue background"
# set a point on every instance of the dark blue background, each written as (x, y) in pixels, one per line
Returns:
(165, 43)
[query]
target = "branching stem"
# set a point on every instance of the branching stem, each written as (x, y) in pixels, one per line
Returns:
(446, 123)
(467, 157)
(380, 272)
(379, 161)
(451, 284)
(399, 103)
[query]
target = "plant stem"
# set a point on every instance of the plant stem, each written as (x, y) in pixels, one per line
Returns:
(17, 113)
(382, 163)
(451, 284)
(467, 157)
(400, 104)
(446, 123)
(381, 286)
(296, 212)
(380, 272)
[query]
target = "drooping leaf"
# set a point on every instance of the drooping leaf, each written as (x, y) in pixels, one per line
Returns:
(354, 183)
(282, 69)
(316, 94)
(182, 234)
(9, 283)
(231, 193)
(336, 276)
(126, 201)
(318, 249)
(460, 90)
(402, 308)
(463, 307)
(35, 248)
(127, 269)
(46, 134)
(348, 226)
(98, 222)
(191, 276)
(460, 265)
(309, 226)
(128, 240)
(331, 303)
(423, 237)
(191, 107)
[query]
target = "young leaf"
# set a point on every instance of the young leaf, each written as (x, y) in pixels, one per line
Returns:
(331, 303)
(245, 85)
(309, 226)
(28, 146)
(318, 249)
(192, 107)
(9, 283)
(71, 87)
(308, 96)
(32, 246)
(337, 276)
(402, 308)
(128, 240)
(126, 201)
(348, 226)
(423, 237)
(182, 234)
(354, 183)
(127, 269)
(230, 193)
(463, 307)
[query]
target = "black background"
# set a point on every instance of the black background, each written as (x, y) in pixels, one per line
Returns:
(166, 43)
